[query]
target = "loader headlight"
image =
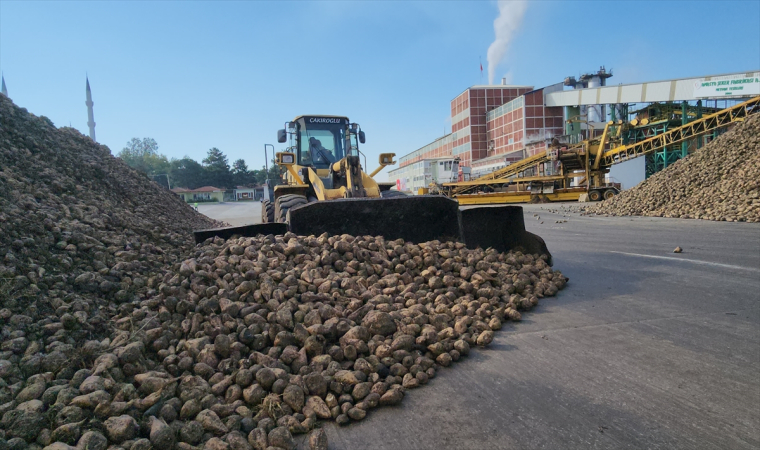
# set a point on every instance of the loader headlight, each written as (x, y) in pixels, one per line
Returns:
(387, 159)
(286, 158)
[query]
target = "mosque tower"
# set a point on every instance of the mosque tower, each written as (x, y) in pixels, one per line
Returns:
(90, 116)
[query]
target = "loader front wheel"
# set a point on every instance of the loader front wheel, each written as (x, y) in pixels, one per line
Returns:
(267, 211)
(391, 194)
(594, 196)
(284, 203)
(609, 193)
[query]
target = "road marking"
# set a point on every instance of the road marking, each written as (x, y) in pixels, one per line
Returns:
(696, 261)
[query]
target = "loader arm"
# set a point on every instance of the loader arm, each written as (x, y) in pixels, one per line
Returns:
(386, 159)
(354, 179)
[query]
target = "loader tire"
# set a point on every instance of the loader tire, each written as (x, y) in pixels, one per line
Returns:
(267, 211)
(609, 193)
(284, 203)
(594, 196)
(391, 194)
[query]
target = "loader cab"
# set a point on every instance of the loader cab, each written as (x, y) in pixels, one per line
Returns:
(320, 141)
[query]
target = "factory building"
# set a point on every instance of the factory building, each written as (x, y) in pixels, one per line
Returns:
(468, 139)
(493, 126)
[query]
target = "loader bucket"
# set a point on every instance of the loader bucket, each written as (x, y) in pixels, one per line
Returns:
(415, 219)
(418, 219)
(500, 227)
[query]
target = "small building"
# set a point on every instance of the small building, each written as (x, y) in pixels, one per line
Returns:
(201, 194)
(243, 193)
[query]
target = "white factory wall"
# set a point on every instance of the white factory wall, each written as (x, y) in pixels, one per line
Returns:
(420, 174)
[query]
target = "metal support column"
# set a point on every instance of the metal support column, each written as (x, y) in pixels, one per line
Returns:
(699, 116)
(684, 121)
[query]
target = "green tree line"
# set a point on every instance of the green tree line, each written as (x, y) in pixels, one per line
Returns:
(214, 170)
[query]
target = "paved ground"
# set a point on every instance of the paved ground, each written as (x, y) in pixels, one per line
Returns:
(639, 351)
(234, 213)
(643, 349)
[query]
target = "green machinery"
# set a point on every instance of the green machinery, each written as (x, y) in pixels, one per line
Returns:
(658, 118)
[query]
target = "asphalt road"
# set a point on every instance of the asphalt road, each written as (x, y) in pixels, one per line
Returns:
(643, 349)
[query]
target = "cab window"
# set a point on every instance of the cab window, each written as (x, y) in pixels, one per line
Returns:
(321, 144)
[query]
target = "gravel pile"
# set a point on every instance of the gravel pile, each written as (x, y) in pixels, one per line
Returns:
(237, 344)
(720, 181)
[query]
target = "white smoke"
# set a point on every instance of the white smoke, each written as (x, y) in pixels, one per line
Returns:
(510, 18)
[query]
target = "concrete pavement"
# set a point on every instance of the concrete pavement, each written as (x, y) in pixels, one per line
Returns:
(234, 213)
(643, 349)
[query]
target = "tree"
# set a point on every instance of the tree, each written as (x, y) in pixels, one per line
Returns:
(142, 154)
(218, 169)
(239, 166)
(216, 160)
(186, 173)
(241, 175)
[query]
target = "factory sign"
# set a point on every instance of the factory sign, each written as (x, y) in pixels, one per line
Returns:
(729, 85)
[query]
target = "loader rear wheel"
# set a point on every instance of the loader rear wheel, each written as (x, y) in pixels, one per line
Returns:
(594, 196)
(609, 193)
(284, 203)
(267, 211)
(391, 194)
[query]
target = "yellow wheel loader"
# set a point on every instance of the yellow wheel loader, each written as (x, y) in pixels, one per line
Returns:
(325, 189)
(322, 163)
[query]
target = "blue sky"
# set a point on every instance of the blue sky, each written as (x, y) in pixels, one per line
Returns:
(196, 75)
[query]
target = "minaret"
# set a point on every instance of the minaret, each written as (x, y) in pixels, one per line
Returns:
(4, 89)
(90, 117)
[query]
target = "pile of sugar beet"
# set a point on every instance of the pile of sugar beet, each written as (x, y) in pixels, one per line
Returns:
(118, 332)
(720, 181)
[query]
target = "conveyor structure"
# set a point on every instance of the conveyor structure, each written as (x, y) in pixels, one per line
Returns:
(587, 162)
